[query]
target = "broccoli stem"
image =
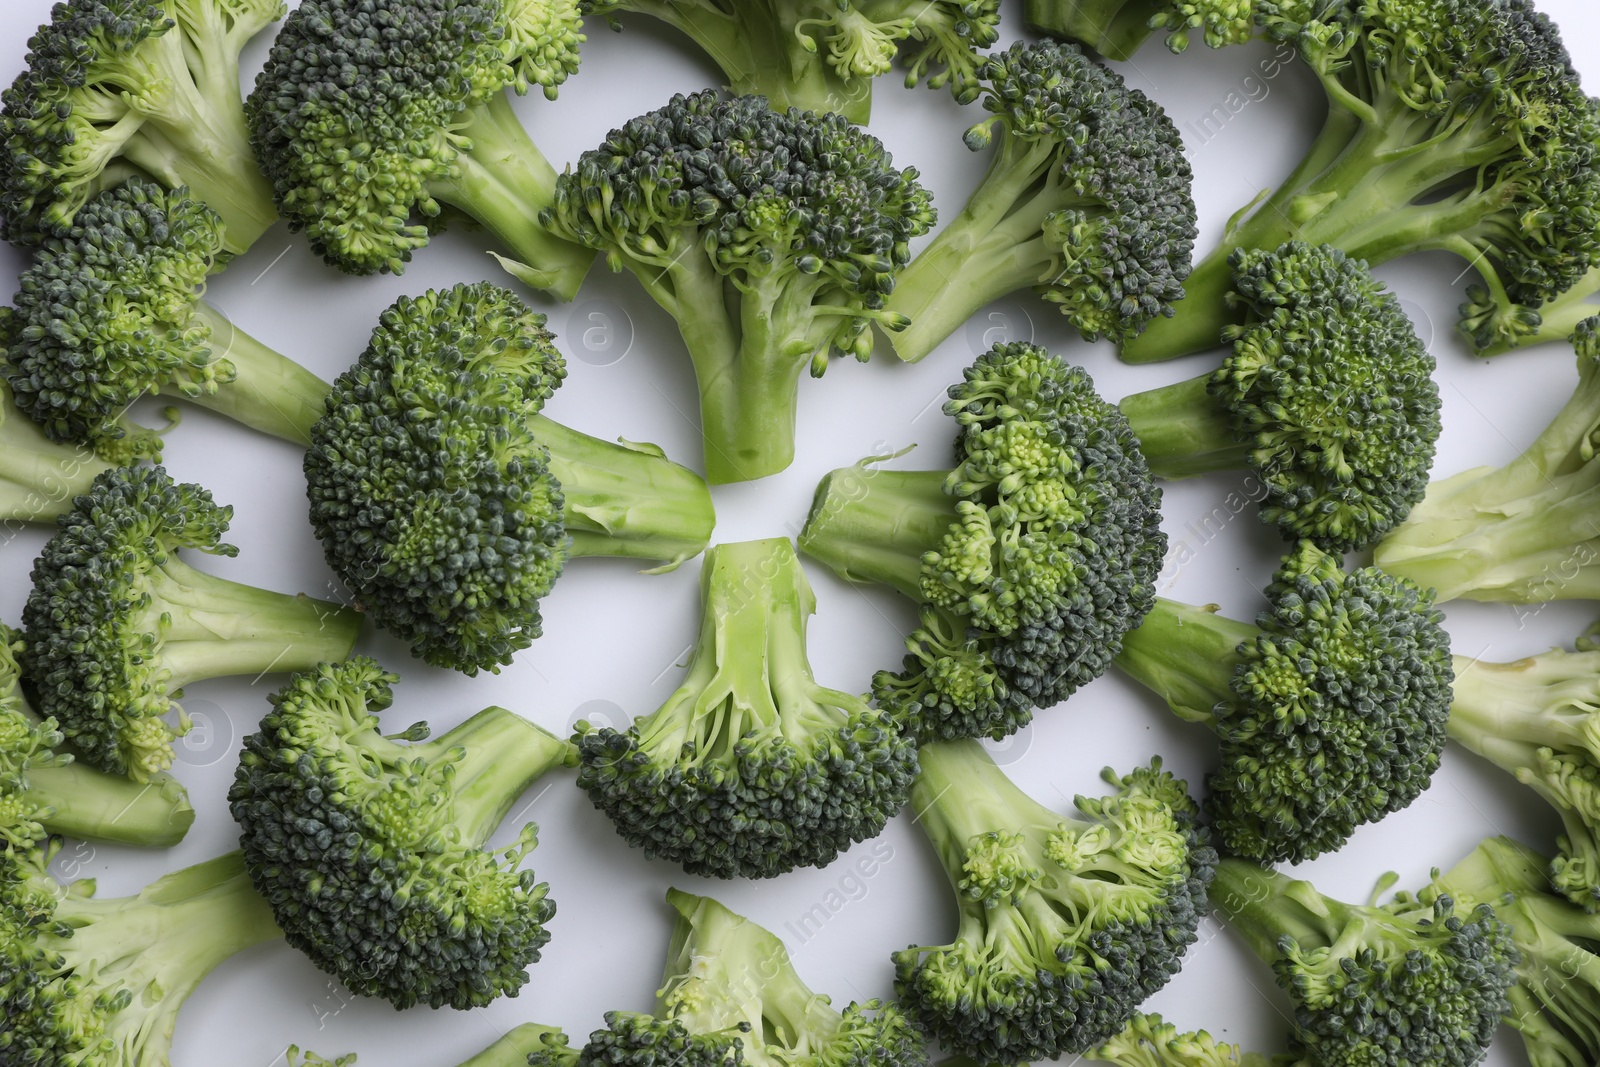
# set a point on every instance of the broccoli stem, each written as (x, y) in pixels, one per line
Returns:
(39, 478)
(514, 1048)
(625, 499)
(1558, 319)
(1503, 711)
(270, 392)
(872, 525)
(959, 794)
(1114, 30)
(1183, 431)
(1264, 907)
(95, 806)
(1186, 655)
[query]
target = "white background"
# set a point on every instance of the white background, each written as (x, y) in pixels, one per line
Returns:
(614, 637)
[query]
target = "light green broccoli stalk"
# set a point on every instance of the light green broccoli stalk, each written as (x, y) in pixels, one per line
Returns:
(1116, 28)
(1150, 1041)
(39, 478)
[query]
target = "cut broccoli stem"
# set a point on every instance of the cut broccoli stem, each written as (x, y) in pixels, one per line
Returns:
(514, 1049)
(95, 806)
(270, 392)
(39, 478)
(1503, 711)
(1187, 655)
(1183, 431)
(1263, 907)
(872, 525)
(1116, 32)
(961, 795)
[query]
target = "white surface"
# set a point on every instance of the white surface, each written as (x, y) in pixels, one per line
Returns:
(613, 636)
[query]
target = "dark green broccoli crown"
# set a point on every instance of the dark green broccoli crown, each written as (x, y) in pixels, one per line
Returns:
(1054, 558)
(429, 493)
(1333, 390)
(105, 314)
(1124, 227)
(634, 1040)
(1338, 712)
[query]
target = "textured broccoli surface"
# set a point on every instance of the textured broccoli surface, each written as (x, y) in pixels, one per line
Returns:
(449, 505)
(374, 116)
(1066, 924)
(1150, 1041)
(1116, 28)
(39, 478)
(1086, 202)
(750, 768)
(1031, 557)
(113, 88)
(1328, 398)
(772, 237)
(1556, 320)
(370, 848)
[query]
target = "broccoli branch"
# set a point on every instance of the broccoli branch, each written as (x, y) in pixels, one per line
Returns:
(873, 525)
(39, 478)
(1183, 430)
(1187, 656)
(268, 391)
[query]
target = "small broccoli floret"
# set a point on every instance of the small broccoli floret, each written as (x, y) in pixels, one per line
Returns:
(821, 55)
(1031, 558)
(374, 116)
(1330, 710)
(1150, 1041)
(1087, 202)
(1483, 325)
(117, 624)
(370, 848)
(449, 505)
(1523, 533)
(39, 478)
(526, 1044)
(111, 311)
(120, 87)
(1453, 125)
(750, 768)
(1116, 28)
(86, 982)
(1328, 398)
(772, 237)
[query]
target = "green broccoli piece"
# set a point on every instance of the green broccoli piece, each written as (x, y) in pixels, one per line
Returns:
(39, 478)
(1150, 1041)
(1066, 924)
(449, 505)
(370, 849)
(1116, 28)
(374, 116)
(87, 982)
(1330, 710)
(112, 311)
(114, 88)
(821, 55)
(772, 237)
(117, 625)
(524, 1045)
(1558, 319)
(1453, 125)
(1030, 558)
(1523, 533)
(1328, 398)
(1086, 202)
(750, 768)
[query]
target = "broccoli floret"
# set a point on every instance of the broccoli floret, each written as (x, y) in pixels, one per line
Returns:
(39, 478)
(750, 768)
(117, 624)
(1087, 202)
(1330, 711)
(1555, 321)
(1116, 28)
(370, 848)
(86, 982)
(1453, 125)
(112, 311)
(772, 237)
(1066, 924)
(1030, 559)
(1523, 533)
(449, 505)
(821, 55)
(374, 116)
(1150, 1041)
(1328, 398)
(120, 87)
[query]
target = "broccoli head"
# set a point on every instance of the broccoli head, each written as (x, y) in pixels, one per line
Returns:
(750, 768)
(1150, 1041)
(369, 848)
(113, 88)
(39, 478)
(772, 237)
(1030, 558)
(1116, 28)
(1066, 924)
(1328, 398)
(374, 116)
(117, 624)
(449, 505)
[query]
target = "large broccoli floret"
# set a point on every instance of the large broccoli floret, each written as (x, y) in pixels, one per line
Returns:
(750, 768)
(374, 116)
(370, 849)
(821, 55)
(1087, 202)
(1416, 982)
(1524, 533)
(39, 478)
(86, 982)
(1116, 28)
(117, 624)
(1330, 710)
(120, 87)
(449, 505)
(1453, 125)
(1031, 558)
(772, 237)
(112, 311)
(1328, 398)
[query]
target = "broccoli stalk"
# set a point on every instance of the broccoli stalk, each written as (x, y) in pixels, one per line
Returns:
(1116, 28)
(1086, 201)
(518, 1047)
(1558, 320)
(39, 479)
